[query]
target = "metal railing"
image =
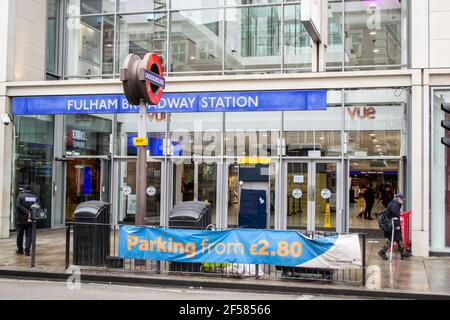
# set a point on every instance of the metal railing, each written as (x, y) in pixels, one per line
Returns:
(350, 276)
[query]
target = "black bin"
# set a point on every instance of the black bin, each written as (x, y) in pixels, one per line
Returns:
(189, 215)
(91, 233)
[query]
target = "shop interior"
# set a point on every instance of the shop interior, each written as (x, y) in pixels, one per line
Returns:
(384, 177)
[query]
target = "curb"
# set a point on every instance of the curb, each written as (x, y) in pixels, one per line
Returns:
(227, 285)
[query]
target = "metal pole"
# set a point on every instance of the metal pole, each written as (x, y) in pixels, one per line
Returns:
(141, 169)
(364, 260)
(33, 244)
(392, 239)
(67, 262)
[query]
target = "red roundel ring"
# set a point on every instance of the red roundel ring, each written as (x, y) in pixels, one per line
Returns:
(154, 64)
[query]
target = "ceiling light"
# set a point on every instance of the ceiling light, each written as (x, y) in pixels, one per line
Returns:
(192, 58)
(322, 138)
(372, 134)
(373, 33)
(377, 146)
(375, 140)
(376, 51)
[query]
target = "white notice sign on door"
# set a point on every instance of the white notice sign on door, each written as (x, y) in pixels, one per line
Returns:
(299, 179)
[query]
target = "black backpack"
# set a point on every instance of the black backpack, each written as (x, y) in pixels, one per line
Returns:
(384, 221)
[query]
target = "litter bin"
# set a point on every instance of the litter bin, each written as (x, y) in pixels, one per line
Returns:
(189, 215)
(91, 233)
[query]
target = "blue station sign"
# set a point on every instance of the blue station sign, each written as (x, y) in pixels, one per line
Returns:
(155, 79)
(294, 100)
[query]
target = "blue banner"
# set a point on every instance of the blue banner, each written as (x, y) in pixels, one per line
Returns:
(296, 100)
(242, 246)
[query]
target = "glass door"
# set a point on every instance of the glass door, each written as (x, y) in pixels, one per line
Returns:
(195, 181)
(297, 195)
(126, 200)
(325, 204)
(312, 198)
(87, 179)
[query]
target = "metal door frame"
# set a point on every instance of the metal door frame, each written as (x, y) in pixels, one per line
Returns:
(311, 205)
(402, 185)
(115, 186)
(219, 185)
(102, 159)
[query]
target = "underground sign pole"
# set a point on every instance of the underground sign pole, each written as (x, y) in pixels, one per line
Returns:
(143, 83)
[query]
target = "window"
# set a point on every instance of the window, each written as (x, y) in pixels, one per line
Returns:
(77, 7)
(297, 47)
(252, 133)
(306, 131)
(141, 34)
(196, 134)
(335, 51)
(88, 134)
(200, 32)
(124, 6)
(374, 33)
(253, 38)
(440, 176)
(52, 46)
(90, 47)
(33, 161)
(127, 127)
(375, 122)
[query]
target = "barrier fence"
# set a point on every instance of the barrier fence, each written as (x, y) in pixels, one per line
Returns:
(97, 245)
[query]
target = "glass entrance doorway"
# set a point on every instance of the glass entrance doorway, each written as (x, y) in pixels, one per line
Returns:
(313, 192)
(372, 185)
(126, 190)
(251, 192)
(195, 180)
(87, 179)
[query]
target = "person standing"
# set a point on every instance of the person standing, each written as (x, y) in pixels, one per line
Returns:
(394, 212)
(369, 197)
(24, 201)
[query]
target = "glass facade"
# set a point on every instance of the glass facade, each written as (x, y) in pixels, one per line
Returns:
(229, 37)
(52, 41)
(367, 34)
(33, 161)
(440, 175)
(279, 158)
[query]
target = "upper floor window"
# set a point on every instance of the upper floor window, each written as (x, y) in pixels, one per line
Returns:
(221, 37)
(367, 34)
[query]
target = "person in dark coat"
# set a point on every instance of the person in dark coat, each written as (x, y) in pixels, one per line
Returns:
(369, 197)
(394, 212)
(24, 201)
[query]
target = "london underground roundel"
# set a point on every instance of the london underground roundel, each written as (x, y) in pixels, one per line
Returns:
(151, 72)
(143, 79)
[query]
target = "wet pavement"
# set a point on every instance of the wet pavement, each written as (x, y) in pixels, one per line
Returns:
(424, 275)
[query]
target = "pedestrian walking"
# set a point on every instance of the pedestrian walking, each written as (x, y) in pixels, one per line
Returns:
(24, 201)
(395, 235)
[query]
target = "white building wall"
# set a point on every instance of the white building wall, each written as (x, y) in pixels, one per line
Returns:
(22, 58)
(439, 33)
(29, 39)
(7, 19)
